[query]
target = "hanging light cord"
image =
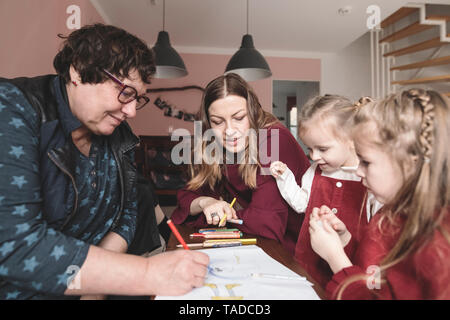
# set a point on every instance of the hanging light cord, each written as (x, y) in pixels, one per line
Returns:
(164, 15)
(247, 16)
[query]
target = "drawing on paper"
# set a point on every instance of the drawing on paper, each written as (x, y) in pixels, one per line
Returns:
(230, 278)
(230, 267)
(229, 287)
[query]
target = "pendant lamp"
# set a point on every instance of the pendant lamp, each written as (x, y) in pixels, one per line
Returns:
(168, 62)
(247, 61)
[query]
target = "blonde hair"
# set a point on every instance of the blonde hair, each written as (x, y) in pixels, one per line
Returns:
(330, 109)
(210, 173)
(412, 126)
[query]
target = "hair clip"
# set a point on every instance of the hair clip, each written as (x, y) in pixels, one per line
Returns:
(419, 95)
(362, 101)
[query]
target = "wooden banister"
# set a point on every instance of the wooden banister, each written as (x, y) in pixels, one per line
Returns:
(412, 29)
(433, 43)
(423, 64)
(397, 15)
(443, 78)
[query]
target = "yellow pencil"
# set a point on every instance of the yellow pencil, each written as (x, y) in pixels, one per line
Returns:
(225, 215)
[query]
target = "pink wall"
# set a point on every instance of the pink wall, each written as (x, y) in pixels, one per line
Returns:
(28, 40)
(28, 33)
(203, 68)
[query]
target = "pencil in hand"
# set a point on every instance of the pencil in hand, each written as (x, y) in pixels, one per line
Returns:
(221, 223)
(177, 234)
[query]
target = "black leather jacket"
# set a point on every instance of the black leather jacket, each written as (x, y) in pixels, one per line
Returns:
(56, 154)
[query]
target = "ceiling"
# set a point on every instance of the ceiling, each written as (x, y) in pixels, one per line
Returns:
(278, 27)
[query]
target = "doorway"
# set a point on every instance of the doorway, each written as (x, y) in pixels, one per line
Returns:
(288, 97)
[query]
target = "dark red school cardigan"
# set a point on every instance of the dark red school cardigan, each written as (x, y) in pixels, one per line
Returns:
(265, 212)
(425, 274)
(346, 197)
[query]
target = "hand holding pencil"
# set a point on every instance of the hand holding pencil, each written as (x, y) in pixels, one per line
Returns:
(175, 272)
(224, 218)
(217, 211)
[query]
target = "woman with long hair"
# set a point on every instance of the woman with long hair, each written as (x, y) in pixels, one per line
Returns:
(235, 163)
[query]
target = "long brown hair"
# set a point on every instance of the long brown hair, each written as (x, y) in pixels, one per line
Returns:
(211, 173)
(414, 124)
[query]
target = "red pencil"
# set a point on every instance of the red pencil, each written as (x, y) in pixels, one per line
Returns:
(177, 234)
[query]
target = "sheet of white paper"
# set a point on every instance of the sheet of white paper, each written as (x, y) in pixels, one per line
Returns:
(229, 277)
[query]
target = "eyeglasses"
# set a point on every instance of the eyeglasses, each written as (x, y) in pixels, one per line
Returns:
(127, 93)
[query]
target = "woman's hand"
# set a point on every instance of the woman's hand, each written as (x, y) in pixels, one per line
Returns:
(176, 272)
(326, 242)
(325, 213)
(277, 168)
(214, 210)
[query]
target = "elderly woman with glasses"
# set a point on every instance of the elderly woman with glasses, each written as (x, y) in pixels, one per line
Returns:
(68, 202)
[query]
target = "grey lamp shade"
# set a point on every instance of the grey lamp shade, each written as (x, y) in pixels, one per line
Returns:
(248, 62)
(168, 62)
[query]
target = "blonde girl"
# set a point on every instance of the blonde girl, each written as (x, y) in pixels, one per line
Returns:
(331, 180)
(403, 146)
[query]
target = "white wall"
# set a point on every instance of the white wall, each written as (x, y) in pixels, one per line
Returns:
(347, 72)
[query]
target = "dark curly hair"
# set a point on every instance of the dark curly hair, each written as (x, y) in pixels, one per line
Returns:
(96, 47)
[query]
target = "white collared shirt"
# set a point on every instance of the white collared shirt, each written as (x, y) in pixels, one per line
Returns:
(298, 197)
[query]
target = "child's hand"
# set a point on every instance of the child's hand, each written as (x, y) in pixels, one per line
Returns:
(324, 240)
(277, 168)
(325, 213)
(339, 227)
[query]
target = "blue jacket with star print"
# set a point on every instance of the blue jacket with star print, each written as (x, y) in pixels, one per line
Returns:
(40, 209)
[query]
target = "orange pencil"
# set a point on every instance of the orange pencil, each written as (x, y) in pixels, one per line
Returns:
(177, 234)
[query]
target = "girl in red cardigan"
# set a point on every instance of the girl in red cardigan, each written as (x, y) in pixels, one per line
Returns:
(330, 180)
(402, 143)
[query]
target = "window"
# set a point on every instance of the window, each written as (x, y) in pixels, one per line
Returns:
(293, 121)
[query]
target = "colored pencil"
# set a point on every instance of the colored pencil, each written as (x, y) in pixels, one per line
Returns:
(216, 230)
(225, 215)
(218, 235)
(277, 276)
(229, 242)
(214, 245)
(177, 234)
(243, 241)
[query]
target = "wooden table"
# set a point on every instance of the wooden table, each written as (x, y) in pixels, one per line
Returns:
(272, 247)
